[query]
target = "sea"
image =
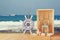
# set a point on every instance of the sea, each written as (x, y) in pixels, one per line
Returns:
(21, 17)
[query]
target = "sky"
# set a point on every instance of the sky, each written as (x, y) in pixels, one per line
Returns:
(22, 7)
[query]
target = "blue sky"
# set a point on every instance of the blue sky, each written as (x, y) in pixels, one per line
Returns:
(22, 6)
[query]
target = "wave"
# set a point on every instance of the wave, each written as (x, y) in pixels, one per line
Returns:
(4, 25)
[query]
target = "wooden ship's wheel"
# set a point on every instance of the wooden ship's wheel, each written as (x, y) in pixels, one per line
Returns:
(28, 23)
